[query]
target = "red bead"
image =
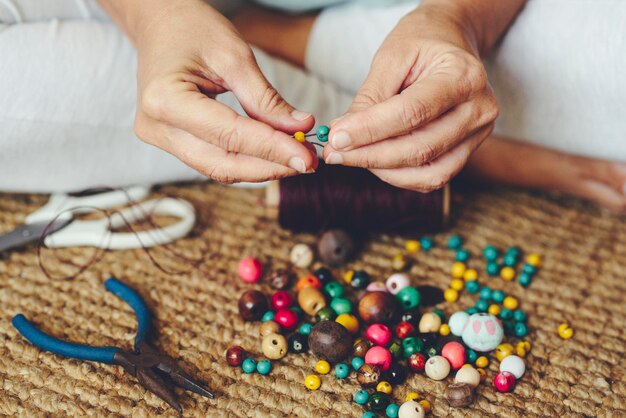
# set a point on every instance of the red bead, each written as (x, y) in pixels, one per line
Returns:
(235, 355)
(454, 352)
(378, 334)
(286, 318)
(417, 362)
(404, 330)
(250, 270)
(281, 300)
(379, 356)
(504, 381)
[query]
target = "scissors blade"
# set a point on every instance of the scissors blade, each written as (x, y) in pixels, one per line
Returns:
(28, 233)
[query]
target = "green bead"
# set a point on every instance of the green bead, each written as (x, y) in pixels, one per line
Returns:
(395, 349)
(490, 252)
(482, 305)
(360, 279)
(379, 401)
(411, 345)
(472, 286)
(357, 362)
(472, 310)
(248, 366)
(462, 255)
(506, 314)
(297, 310)
(322, 133)
(454, 242)
(509, 260)
(264, 367)
(493, 268)
(529, 269)
(326, 314)
(342, 371)
(508, 326)
(485, 293)
(432, 352)
(426, 243)
(498, 296)
(341, 305)
(440, 314)
(361, 397)
(519, 315)
(520, 330)
(392, 410)
(334, 289)
(305, 329)
(471, 355)
(268, 316)
(525, 279)
(409, 298)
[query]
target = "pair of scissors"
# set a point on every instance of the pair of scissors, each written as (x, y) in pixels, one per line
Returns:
(56, 220)
(157, 372)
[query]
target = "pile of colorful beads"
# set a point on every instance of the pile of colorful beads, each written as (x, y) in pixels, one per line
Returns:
(375, 331)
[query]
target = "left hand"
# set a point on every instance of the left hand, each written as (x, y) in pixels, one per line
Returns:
(424, 108)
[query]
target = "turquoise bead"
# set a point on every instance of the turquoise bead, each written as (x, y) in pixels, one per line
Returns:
(520, 329)
(297, 310)
(334, 289)
(322, 133)
(248, 366)
(357, 362)
(493, 268)
(426, 243)
(471, 355)
(412, 345)
(268, 316)
(490, 252)
(392, 410)
(409, 298)
(513, 251)
(485, 293)
(341, 305)
(264, 367)
(519, 315)
(509, 260)
(525, 279)
(462, 255)
(472, 286)
(342, 371)
(368, 414)
(305, 329)
(482, 305)
(528, 269)
(506, 314)
(498, 296)
(440, 314)
(472, 310)
(454, 242)
(361, 397)
(508, 326)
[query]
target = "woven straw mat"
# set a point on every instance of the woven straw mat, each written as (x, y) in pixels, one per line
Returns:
(583, 282)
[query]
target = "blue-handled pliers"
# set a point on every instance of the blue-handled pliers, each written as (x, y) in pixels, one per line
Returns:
(149, 366)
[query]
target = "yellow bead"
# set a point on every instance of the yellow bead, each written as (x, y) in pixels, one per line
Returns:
(411, 396)
(312, 382)
(322, 367)
(444, 330)
(526, 344)
(507, 273)
(482, 362)
(451, 295)
(470, 274)
(349, 322)
(494, 309)
(534, 260)
(510, 303)
(426, 405)
(412, 246)
(458, 269)
(466, 365)
(520, 351)
(503, 351)
(299, 136)
(347, 276)
(384, 387)
(457, 284)
(565, 331)
(483, 374)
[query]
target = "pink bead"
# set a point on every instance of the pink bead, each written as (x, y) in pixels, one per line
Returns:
(376, 287)
(286, 318)
(250, 270)
(378, 334)
(504, 382)
(455, 354)
(378, 356)
(281, 300)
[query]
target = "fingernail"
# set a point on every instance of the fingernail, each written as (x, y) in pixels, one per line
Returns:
(297, 164)
(334, 158)
(341, 140)
(299, 115)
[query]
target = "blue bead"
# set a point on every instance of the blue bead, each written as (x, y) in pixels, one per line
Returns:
(361, 397)
(506, 314)
(490, 252)
(520, 330)
(357, 362)
(519, 315)
(426, 243)
(525, 279)
(485, 293)
(462, 255)
(472, 286)
(498, 296)
(368, 414)
(482, 305)
(342, 371)
(471, 355)
(493, 268)
(528, 269)
(392, 410)
(248, 365)
(322, 133)
(264, 367)
(472, 310)
(268, 316)
(305, 329)
(454, 242)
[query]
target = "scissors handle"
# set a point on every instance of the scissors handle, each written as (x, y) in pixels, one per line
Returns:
(54, 345)
(128, 295)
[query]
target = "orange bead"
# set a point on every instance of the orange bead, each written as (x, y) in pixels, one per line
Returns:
(308, 281)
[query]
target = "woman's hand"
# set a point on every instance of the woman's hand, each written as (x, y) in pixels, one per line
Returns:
(425, 107)
(187, 54)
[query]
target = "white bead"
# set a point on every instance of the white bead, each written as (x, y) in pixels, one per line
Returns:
(411, 409)
(430, 322)
(437, 368)
(514, 365)
(301, 255)
(457, 322)
(483, 332)
(376, 287)
(396, 282)
(467, 375)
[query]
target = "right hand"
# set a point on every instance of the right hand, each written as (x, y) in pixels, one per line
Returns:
(187, 54)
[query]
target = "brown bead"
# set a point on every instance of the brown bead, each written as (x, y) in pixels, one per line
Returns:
(368, 375)
(235, 355)
(269, 327)
(311, 300)
(360, 347)
(459, 395)
(335, 247)
(274, 346)
(330, 341)
(281, 278)
(378, 307)
(252, 305)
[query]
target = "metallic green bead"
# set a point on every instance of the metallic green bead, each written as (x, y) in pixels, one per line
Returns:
(498, 296)
(529, 269)
(506, 314)
(322, 133)
(509, 260)
(520, 330)
(379, 401)
(525, 279)
(334, 289)
(472, 310)
(440, 314)
(360, 279)
(305, 329)
(485, 293)
(411, 345)
(493, 268)
(482, 305)
(462, 255)
(471, 355)
(472, 286)
(409, 298)
(519, 315)
(490, 252)
(326, 314)
(508, 326)
(426, 243)
(513, 251)
(455, 242)
(341, 305)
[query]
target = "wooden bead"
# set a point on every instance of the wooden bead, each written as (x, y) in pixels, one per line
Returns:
(235, 355)
(269, 327)
(330, 341)
(360, 347)
(459, 395)
(411, 409)
(437, 368)
(252, 305)
(274, 346)
(378, 307)
(430, 322)
(301, 255)
(335, 247)
(280, 279)
(368, 375)
(250, 270)
(311, 300)
(468, 375)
